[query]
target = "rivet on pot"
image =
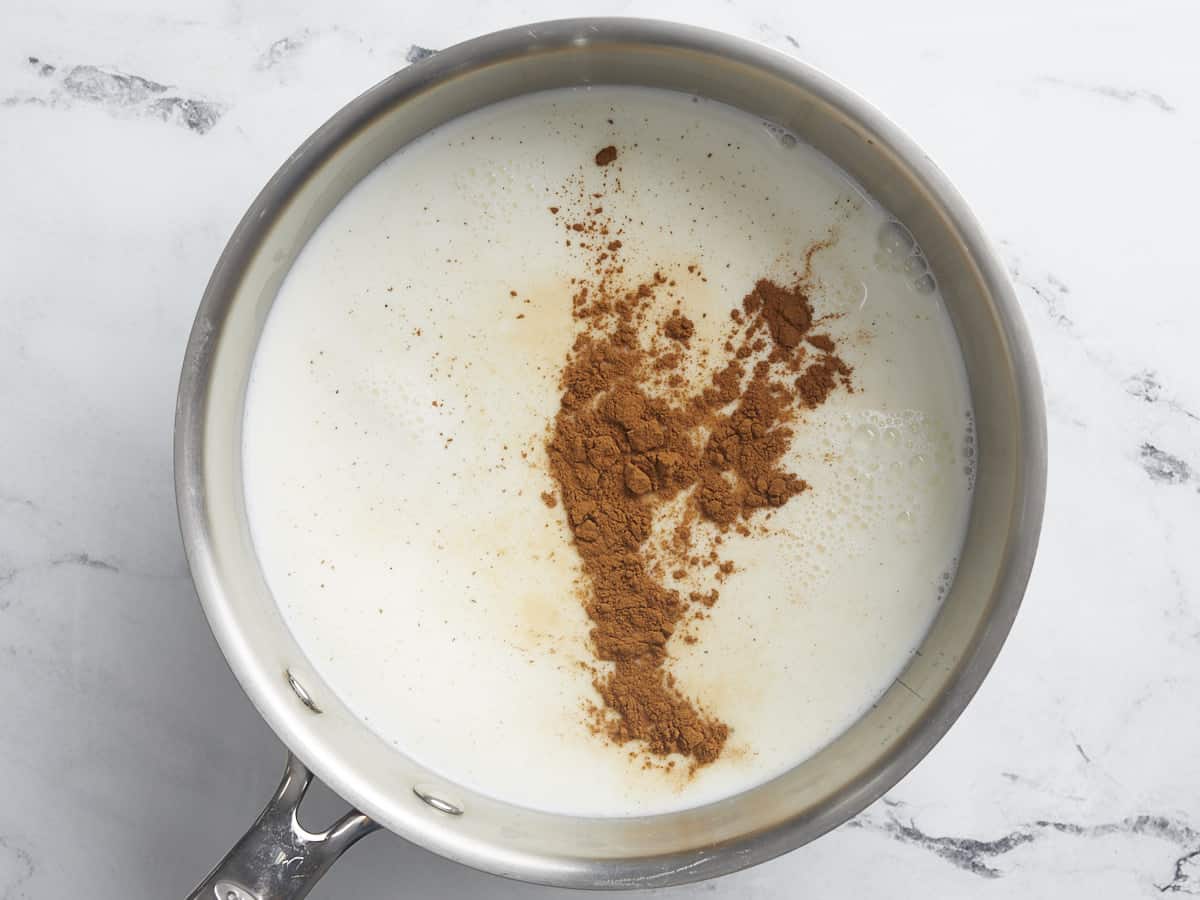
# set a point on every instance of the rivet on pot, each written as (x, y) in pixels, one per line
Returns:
(445, 806)
(299, 690)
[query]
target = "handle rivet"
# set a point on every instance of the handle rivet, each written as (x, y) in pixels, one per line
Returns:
(440, 804)
(227, 890)
(301, 692)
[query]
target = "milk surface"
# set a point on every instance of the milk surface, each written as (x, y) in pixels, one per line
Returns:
(398, 410)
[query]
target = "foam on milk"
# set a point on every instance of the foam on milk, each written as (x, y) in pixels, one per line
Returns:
(394, 447)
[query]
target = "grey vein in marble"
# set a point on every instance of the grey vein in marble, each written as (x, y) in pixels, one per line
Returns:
(282, 49)
(290, 45)
(1164, 467)
(1187, 875)
(16, 868)
(8, 574)
(416, 53)
(1053, 293)
(1185, 620)
(119, 93)
(976, 856)
(1145, 386)
(964, 853)
(85, 560)
(1122, 95)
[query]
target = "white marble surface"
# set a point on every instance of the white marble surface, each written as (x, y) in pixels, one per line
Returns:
(129, 758)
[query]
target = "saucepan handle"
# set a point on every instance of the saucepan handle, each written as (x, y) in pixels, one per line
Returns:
(279, 859)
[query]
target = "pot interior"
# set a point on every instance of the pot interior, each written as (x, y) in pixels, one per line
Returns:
(816, 795)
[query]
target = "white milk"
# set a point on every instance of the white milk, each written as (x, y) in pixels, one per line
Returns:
(398, 409)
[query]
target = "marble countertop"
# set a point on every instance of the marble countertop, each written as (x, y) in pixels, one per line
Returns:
(132, 137)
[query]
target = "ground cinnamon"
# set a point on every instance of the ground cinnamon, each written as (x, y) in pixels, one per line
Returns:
(627, 440)
(606, 155)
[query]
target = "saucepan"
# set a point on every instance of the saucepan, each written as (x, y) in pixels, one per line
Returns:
(278, 858)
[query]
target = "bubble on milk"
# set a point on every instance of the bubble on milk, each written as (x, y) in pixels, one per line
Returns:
(781, 134)
(405, 405)
(895, 240)
(925, 284)
(969, 450)
(897, 251)
(874, 474)
(946, 580)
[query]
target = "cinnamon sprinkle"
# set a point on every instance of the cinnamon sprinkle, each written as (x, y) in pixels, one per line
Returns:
(627, 440)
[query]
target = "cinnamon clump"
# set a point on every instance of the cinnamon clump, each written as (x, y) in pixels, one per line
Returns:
(679, 327)
(628, 439)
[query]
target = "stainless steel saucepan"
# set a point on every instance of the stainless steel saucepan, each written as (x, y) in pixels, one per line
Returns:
(278, 859)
